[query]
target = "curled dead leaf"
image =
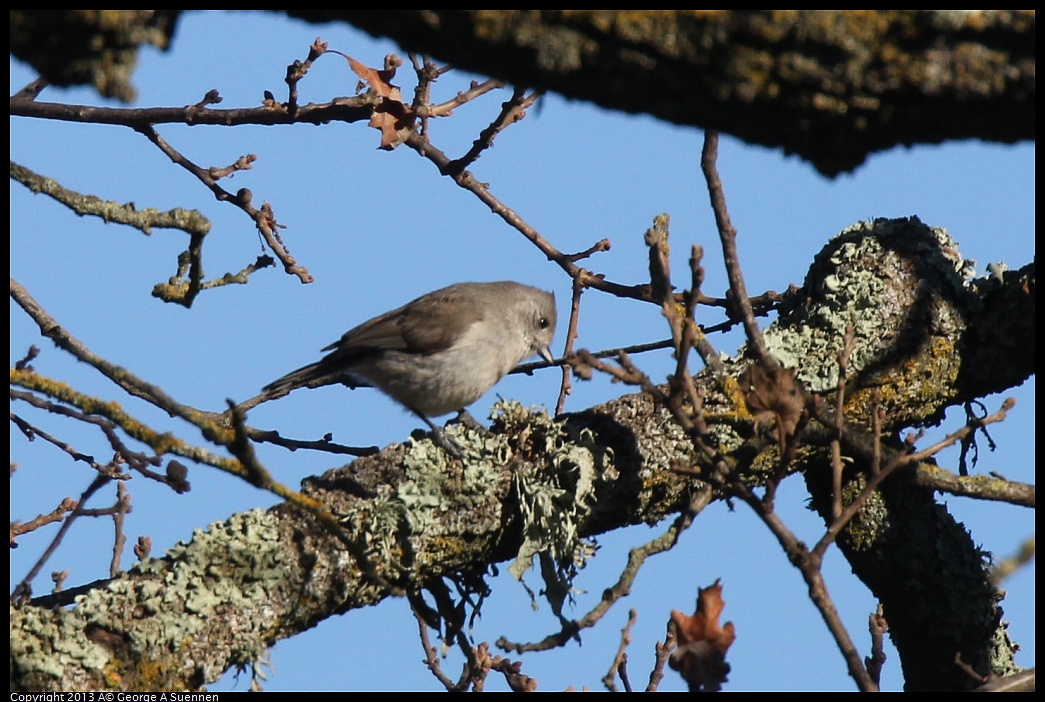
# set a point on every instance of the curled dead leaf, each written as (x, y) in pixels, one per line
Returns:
(773, 395)
(392, 117)
(702, 644)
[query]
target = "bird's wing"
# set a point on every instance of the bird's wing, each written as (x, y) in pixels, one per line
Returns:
(427, 325)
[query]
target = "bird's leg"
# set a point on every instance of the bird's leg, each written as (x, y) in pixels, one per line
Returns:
(465, 418)
(440, 437)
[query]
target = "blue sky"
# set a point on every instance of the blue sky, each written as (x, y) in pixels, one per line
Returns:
(376, 229)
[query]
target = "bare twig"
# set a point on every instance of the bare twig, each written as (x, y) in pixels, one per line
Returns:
(32, 432)
(636, 557)
(477, 89)
(620, 660)
(898, 461)
(122, 507)
(56, 515)
(696, 334)
(571, 336)
(426, 73)
(878, 626)
(30, 355)
(809, 564)
(973, 424)
(512, 111)
(598, 247)
(529, 368)
(1024, 681)
(1007, 566)
(968, 443)
(297, 70)
(119, 376)
(512, 672)
(264, 219)
(59, 577)
(663, 653)
(849, 343)
(326, 444)
(137, 460)
(728, 236)
(342, 109)
(177, 290)
(454, 624)
(431, 654)
(22, 590)
(30, 91)
(969, 670)
(466, 180)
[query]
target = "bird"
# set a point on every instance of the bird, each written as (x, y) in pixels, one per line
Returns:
(438, 353)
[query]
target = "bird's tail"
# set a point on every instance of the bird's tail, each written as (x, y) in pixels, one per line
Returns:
(314, 375)
(311, 376)
(307, 376)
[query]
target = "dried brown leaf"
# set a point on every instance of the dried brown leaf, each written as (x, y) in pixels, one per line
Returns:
(773, 395)
(392, 117)
(701, 654)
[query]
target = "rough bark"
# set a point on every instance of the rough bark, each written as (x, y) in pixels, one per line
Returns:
(830, 86)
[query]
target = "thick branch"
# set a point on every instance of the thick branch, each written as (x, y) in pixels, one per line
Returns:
(831, 86)
(856, 82)
(239, 587)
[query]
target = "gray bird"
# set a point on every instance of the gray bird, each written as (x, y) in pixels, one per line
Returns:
(437, 354)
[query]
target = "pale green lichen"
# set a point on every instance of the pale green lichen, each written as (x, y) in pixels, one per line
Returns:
(227, 568)
(854, 281)
(424, 494)
(230, 566)
(553, 497)
(726, 437)
(48, 642)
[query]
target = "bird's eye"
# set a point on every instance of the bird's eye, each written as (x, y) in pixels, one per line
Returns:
(542, 322)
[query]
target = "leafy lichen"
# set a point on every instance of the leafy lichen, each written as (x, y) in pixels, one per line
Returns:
(890, 280)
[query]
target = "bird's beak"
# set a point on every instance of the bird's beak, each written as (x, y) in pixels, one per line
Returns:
(546, 353)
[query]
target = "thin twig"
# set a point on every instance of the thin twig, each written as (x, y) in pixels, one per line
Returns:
(23, 588)
(122, 378)
(897, 462)
(297, 70)
(453, 619)
(571, 337)
(636, 557)
(123, 506)
(477, 89)
(431, 655)
(728, 236)
(620, 660)
(598, 247)
(809, 564)
(263, 217)
(30, 91)
(697, 335)
(326, 444)
(849, 343)
(56, 515)
(663, 653)
(137, 460)
(342, 109)
(878, 626)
